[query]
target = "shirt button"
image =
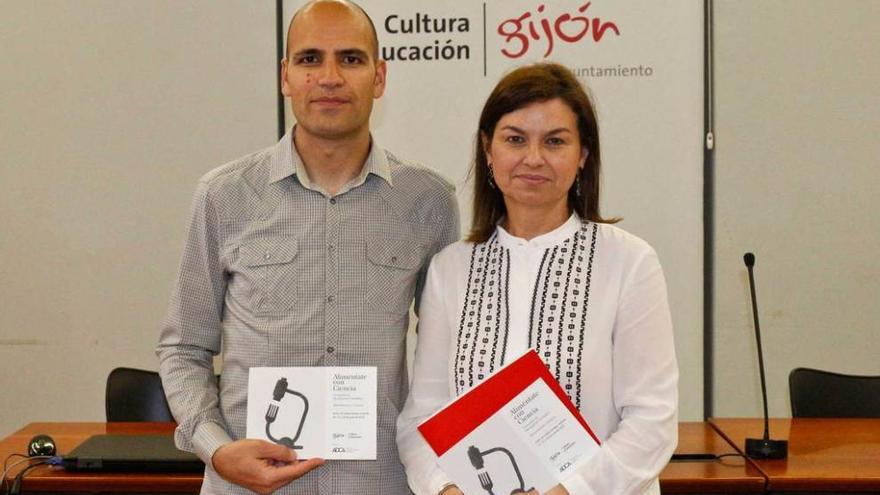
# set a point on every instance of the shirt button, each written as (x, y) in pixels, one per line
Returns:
(330, 298)
(332, 201)
(267, 255)
(394, 259)
(330, 350)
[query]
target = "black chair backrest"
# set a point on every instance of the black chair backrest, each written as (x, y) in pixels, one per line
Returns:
(136, 395)
(823, 394)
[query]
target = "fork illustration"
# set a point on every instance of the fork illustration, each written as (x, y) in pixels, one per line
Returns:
(485, 481)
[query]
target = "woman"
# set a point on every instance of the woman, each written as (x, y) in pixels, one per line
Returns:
(542, 269)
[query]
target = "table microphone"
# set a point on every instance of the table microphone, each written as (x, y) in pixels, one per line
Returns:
(762, 448)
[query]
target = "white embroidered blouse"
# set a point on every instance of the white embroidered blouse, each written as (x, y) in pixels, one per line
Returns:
(591, 299)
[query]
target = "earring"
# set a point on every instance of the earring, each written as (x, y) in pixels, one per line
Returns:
(577, 184)
(491, 179)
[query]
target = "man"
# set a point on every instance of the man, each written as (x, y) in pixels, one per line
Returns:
(308, 253)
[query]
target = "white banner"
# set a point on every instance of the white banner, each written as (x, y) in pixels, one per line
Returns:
(642, 62)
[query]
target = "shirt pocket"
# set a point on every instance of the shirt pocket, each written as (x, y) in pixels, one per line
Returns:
(392, 271)
(272, 268)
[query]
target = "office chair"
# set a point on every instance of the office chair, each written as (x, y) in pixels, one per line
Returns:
(823, 394)
(136, 395)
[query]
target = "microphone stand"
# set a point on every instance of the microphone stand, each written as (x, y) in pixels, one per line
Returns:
(762, 448)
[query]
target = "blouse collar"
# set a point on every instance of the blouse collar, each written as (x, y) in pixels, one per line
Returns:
(543, 241)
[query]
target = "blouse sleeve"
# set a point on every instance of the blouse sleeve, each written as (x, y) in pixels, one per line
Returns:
(430, 388)
(644, 388)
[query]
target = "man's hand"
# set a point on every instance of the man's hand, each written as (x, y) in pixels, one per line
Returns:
(259, 465)
(556, 490)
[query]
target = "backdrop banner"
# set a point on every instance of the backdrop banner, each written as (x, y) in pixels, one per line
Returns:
(641, 60)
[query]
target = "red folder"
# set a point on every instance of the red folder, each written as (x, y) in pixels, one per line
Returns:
(458, 419)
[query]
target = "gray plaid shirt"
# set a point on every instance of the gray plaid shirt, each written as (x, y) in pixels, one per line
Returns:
(275, 272)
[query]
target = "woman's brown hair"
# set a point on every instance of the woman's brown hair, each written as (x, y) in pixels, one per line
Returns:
(522, 87)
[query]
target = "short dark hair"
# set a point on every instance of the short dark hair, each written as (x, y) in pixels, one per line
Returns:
(374, 35)
(521, 87)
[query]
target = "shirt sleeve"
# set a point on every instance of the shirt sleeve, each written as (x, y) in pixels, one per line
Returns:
(191, 333)
(645, 389)
(429, 391)
(448, 231)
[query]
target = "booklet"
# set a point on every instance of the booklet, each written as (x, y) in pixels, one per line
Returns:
(514, 432)
(327, 412)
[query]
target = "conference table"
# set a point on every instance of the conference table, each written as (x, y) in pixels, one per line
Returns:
(731, 473)
(45, 479)
(824, 455)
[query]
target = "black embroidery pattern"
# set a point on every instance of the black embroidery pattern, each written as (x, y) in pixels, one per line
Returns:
(558, 314)
(482, 333)
(589, 276)
(534, 295)
(559, 308)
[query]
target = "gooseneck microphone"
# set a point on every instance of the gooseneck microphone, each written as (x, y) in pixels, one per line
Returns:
(762, 448)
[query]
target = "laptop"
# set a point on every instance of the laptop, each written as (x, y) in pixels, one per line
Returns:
(132, 453)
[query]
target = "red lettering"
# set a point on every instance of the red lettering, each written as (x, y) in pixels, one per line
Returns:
(568, 28)
(546, 25)
(585, 26)
(599, 29)
(515, 34)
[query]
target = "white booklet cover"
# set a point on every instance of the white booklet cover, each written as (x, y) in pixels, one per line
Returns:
(514, 432)
(327, 412)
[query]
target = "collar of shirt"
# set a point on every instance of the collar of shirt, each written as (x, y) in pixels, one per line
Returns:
(287, 162)
(543, 241)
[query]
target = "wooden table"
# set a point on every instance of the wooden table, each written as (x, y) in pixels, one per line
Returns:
(726, 475)
(839, 455)
(729, 475)
(69, 435)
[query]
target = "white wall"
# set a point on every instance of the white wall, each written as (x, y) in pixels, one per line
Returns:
(113, 109)
(109, 113)
(797, 117)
